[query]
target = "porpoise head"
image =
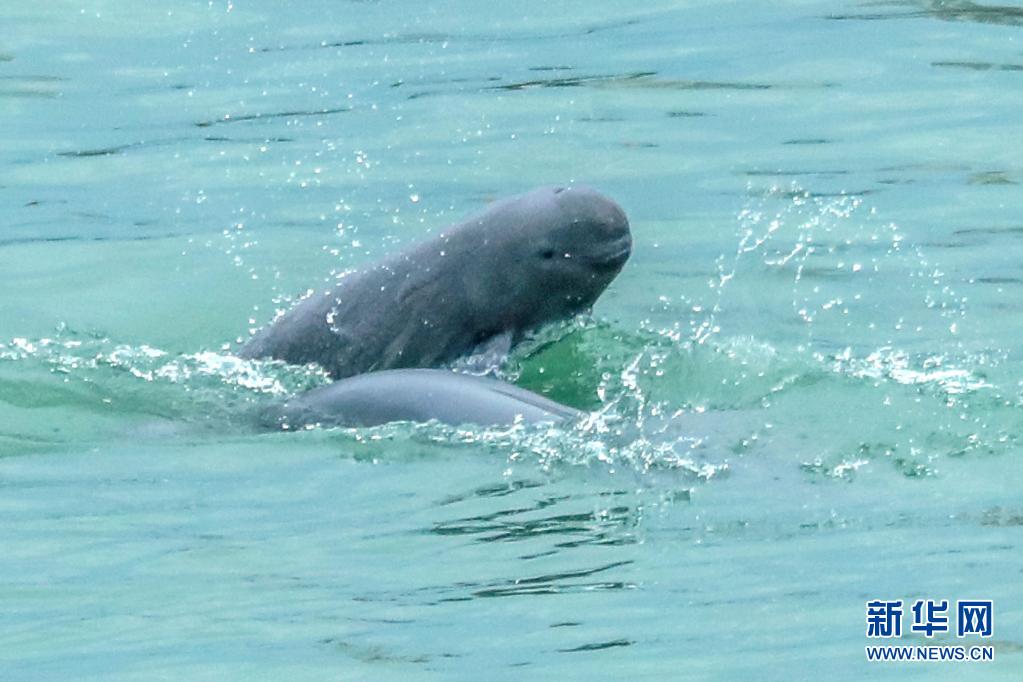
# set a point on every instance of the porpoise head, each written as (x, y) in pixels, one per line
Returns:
(555, 251)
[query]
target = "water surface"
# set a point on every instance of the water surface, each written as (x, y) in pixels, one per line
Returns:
(805, 383)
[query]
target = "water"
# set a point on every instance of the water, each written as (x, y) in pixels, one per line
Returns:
(805, 383)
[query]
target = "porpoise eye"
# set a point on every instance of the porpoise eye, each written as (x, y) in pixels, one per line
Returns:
(547, 254)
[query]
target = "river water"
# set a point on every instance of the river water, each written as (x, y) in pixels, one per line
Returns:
(805, 385)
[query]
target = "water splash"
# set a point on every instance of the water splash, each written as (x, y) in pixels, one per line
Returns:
(862, 360)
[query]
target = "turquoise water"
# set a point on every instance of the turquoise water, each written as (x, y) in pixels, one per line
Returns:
(805, 384)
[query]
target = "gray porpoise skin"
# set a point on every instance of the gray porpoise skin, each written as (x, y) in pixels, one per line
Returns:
(527, 260)
(416, 395)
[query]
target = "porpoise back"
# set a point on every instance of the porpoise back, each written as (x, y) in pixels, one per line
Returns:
(415, 395)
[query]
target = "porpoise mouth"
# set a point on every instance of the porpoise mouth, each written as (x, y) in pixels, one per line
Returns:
(615, 256)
